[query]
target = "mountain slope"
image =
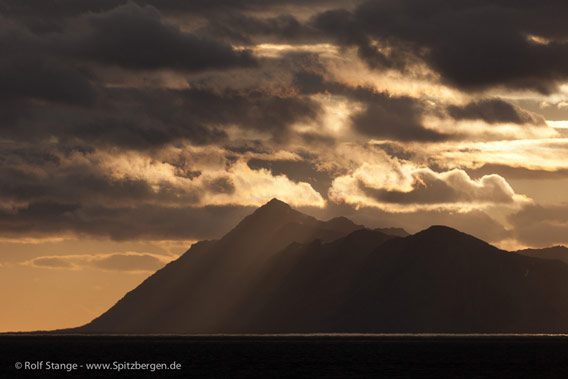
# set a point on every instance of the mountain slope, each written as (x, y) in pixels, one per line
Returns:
(556, 252)
(437, 281)
(280, 271)
(442, 280)
(195, 293)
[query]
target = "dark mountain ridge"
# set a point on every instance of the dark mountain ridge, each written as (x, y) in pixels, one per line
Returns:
(555, 252)
(281, 271)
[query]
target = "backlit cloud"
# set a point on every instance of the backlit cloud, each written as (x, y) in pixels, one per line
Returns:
(131, 124)
(151, 119)
(402, 188)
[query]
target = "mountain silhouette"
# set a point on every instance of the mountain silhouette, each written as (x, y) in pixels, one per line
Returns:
(556, 252)
(281, 271)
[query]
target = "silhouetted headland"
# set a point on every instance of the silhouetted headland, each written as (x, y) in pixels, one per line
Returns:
(281, 271)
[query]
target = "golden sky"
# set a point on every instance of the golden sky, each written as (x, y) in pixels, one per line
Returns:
(129, 130)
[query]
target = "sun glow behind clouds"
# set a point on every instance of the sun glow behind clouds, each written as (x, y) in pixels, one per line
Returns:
(395, 186)
(271, 50)
(547, 154)
(176, 141)
(558, 124)
(223, 183)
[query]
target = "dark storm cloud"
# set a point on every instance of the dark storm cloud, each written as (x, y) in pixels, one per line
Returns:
(396, 150)
(44, 66)
(137, 38)
(344, 27)
(50, 87)
(60, 195)
(40, 177)
(494, 111)
(29, 71)
(200, 5)
(241, 28)
(221, 185)
(473, 44)
(146, 118)
(74, 7)
(49, 15)
(385, 116)
(398, 118)
(44, 80)
(43, 16)
(149, 222)
(250, 146)
(58, 96)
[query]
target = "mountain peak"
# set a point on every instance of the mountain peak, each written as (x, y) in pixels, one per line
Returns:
(257, 280)
(266, 220)
(275, 207)
(342, 221)
(276, 203)
(442, 229)
(444, 235)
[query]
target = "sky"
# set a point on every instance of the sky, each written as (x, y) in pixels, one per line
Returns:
(131, 129)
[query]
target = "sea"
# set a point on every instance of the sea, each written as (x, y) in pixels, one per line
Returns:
(289, 356)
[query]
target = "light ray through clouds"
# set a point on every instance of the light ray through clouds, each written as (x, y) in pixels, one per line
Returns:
(129, 126)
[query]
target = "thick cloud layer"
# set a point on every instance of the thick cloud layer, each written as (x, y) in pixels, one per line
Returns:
(137, 38)
(474, 45)
(121, 223)
(494, 111)
(393, 187)
(172, 119)
(383, 115)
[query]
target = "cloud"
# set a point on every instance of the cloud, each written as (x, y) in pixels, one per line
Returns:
(512, 172)
(494, 111)
(473, 45)
(398, 118)
(136, 37)
(241, 28)
(176, 195)
(450, 187)
(130, 262)
(127, 262)
(31, 72)
(541, 225)
(397, 187)
(382, 115)
(552, 111)
(146, 118)
(149, 119)
(51, 262)
(297, 171)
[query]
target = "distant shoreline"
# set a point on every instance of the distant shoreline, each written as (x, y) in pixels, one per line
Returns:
(301, 335)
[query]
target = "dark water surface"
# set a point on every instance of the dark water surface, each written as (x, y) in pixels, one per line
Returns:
(286, 357)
